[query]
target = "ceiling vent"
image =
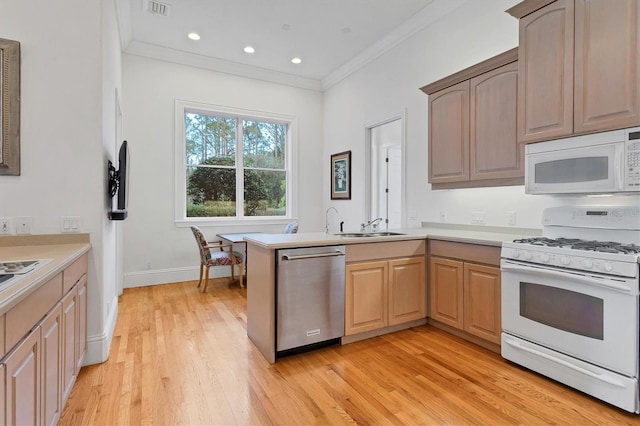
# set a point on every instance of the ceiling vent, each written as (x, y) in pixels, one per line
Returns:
(157, 8)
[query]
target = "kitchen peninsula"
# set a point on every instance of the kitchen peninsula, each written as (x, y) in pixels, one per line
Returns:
(407, 248)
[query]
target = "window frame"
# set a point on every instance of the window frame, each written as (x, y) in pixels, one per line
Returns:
(181, 219)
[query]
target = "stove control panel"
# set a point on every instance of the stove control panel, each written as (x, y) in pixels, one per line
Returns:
(604, 263)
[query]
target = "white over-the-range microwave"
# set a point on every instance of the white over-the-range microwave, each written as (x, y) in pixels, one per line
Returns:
(598, 163)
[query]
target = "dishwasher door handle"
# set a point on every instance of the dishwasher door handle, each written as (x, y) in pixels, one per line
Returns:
(311, 256)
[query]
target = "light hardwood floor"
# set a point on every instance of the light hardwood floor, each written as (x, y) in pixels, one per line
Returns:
(182, 357)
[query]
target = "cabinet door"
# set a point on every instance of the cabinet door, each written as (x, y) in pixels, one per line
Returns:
(493, 142)
(81, 323)
(607, 62)
(545, 73)
(52, 366)
(69, 333)
(23, 382)
(449, 134)
(3, 399)
(482, 316)
(406, 290)
(366, 289)
(446, 291)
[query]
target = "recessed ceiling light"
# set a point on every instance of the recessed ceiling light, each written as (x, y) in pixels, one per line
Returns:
(194, 36)
(249, 49)
(296, 60)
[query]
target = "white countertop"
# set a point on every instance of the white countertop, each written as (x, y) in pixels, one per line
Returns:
(62, 251)
(493, 236)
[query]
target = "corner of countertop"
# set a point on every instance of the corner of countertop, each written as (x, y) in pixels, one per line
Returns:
(44, 239)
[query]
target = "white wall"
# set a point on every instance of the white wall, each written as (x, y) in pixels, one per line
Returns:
(390, 84)
(62, 136)
(155, 249)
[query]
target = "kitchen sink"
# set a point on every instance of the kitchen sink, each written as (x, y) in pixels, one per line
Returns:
(369, 234)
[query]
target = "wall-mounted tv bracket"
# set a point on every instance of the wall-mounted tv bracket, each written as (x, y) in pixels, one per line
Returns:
(113, 184)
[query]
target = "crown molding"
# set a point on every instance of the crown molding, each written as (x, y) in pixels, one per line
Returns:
(123, 18)
(435, 10)
(205, 62)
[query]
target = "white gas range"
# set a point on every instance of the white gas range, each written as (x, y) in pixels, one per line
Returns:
(570, 304)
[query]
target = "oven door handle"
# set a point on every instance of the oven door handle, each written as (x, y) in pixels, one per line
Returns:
(515, 267)
(564, 363)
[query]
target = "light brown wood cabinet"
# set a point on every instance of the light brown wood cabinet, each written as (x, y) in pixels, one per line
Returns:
(51, 366)
(449, 134)
(464, 294)
(578, 67)
(472, 126)
(366, 297)
(23, 366)
(47, 342)
(69, 330)
(381, 293)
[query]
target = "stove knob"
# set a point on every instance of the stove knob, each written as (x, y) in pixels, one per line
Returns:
(566, 260)
(608, 267)
(544, 257)
(515, 253)
(587, 264)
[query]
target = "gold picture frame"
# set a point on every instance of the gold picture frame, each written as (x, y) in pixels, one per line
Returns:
(341, 176)
(9, 107)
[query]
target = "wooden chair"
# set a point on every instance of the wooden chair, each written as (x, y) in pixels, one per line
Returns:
(219, 257)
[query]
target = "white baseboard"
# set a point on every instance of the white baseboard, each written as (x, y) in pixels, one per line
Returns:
(98, 345)
(171, 275)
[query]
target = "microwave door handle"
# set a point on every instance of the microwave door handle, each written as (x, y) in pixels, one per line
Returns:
(620, 169)
(563, 275)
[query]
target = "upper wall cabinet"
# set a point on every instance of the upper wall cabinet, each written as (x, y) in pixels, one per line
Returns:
(579, 67)
(472, 126)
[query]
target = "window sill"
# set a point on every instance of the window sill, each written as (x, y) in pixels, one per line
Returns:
(232, 222)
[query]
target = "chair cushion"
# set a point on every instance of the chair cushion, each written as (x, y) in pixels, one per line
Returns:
(219, 258)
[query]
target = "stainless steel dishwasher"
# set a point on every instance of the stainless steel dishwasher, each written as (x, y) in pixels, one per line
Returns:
(309, 296)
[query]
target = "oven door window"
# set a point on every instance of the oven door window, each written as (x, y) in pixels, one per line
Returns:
(562, 309)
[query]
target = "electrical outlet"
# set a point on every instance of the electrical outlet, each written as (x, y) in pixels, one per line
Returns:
(478, 217)
(5, 226)
(23, 225)
(443, 215)
(511, 218)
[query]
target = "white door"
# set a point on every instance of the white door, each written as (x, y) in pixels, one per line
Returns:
(386, 174)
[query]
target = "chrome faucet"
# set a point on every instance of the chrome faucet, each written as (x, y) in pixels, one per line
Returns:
(373, 224)
(326, 219)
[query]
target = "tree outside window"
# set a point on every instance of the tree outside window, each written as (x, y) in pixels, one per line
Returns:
(235, 166)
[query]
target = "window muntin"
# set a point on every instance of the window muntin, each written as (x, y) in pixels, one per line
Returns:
(235, 165)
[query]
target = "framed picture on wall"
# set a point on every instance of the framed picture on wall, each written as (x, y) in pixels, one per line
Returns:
(341, 176)
(9, 107)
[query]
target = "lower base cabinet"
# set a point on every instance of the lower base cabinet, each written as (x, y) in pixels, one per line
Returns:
(37, 374)
(52, 340)
(384, 293)
(464, 294)
(23, 382)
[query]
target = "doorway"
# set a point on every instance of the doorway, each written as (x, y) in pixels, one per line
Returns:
(385, 182)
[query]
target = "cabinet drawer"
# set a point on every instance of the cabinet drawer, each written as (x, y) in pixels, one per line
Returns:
(489, 255)
(372, 251)
(73, 273)
(25, 315)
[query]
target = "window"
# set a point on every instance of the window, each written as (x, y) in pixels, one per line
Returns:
(234, 164)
